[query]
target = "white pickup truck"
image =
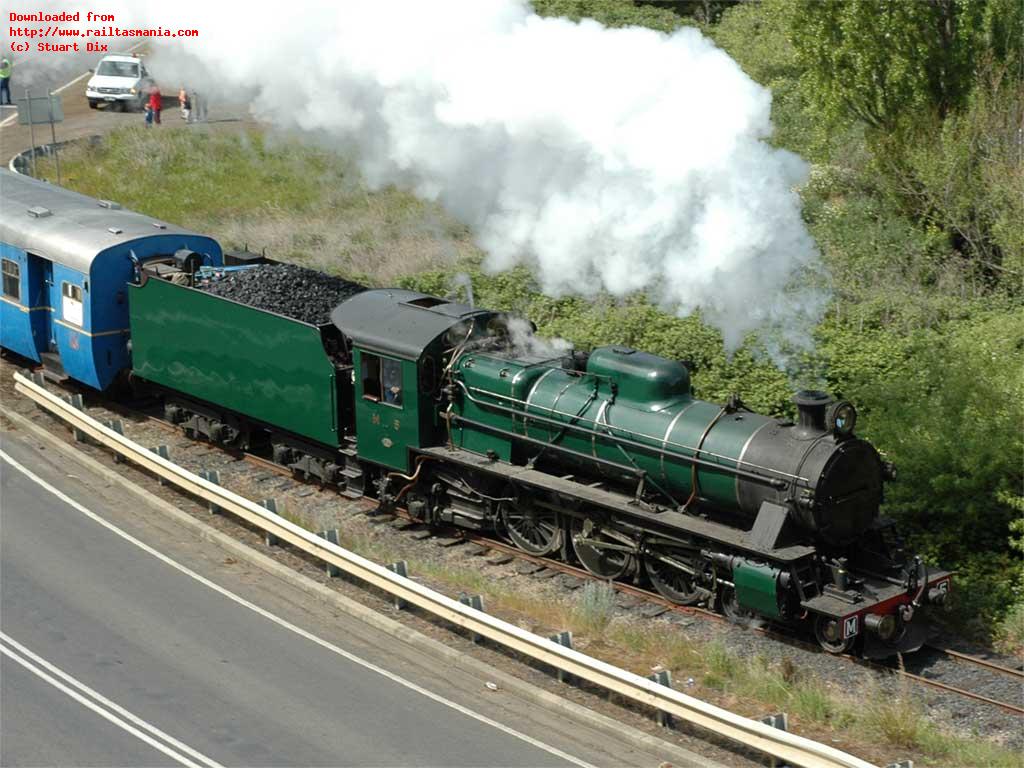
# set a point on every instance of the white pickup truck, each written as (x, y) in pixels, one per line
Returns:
(121, 80)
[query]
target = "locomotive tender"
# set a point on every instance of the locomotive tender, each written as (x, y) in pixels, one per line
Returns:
(606, 457)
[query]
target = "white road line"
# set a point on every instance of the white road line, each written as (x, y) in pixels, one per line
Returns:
(292, 627)
(99, 710)
(103, 700)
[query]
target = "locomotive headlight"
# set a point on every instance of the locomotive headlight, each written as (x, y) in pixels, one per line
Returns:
(841, 418)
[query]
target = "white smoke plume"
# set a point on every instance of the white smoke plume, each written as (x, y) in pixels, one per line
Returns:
(463, 283)
(607, 160)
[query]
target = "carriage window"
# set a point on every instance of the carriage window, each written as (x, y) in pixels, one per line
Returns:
(71, 303)
(12, 279)
(382, 379)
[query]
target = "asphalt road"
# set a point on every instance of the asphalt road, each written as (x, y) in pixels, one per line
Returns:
(84, 607)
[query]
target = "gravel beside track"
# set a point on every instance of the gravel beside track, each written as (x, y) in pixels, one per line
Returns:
(285, 289)
(320, 509)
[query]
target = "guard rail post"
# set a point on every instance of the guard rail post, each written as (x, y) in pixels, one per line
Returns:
(331, 535)
(211, 476)
(164, 453)
(400, 568)
(476, 602)
(268, 538)
(663, 677)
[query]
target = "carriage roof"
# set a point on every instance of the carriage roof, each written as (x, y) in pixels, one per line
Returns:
(66, 227)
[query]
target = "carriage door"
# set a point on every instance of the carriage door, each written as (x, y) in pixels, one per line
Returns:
(40, 279)
(387, 416)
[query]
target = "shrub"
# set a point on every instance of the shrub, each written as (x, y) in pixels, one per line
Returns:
(594, 608)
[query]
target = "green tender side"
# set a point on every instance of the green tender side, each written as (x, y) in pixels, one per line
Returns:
(757, 588)
(262, 365)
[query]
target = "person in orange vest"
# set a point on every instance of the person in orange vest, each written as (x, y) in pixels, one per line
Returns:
(185, 104)
(155, 103)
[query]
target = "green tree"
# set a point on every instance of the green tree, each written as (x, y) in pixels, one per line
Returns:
(950, 417)
(886, 62)
(937, 86)
(612, 13)
(967, 178)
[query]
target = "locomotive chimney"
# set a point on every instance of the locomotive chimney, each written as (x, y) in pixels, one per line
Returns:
(811, 404)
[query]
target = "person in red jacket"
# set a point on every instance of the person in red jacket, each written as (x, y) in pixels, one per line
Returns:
(155, 103)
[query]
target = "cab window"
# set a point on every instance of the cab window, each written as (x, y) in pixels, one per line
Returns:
(382, 379)
(12, 279)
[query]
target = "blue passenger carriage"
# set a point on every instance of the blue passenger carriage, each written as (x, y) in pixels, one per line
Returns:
(66, 260)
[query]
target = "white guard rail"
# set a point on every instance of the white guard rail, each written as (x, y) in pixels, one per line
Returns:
(788, 747)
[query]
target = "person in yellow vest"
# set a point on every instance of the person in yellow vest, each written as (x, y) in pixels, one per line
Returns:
(5, 82)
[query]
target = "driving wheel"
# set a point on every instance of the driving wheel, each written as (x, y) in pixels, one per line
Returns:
(604, 562)
(532, 528)
(670, 582)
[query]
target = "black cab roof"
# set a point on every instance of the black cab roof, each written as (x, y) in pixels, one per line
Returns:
(400, 322)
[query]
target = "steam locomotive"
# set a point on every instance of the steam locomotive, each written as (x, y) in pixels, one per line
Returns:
(606, 458)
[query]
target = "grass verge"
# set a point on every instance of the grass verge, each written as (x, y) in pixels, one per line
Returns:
(245, 188)
(868, 722)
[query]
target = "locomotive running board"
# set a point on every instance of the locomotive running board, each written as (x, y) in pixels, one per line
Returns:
(668, 522)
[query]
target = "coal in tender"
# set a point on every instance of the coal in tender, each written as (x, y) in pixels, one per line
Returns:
(296, 292)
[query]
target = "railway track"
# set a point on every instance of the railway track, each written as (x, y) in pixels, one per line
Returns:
(654, 599)
(938, 684)
(966, 658)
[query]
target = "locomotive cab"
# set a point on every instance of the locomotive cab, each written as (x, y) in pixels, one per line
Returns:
(400, 340)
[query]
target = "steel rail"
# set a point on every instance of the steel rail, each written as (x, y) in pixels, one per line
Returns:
(959, 691)
(793, 749)
(978, 661)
